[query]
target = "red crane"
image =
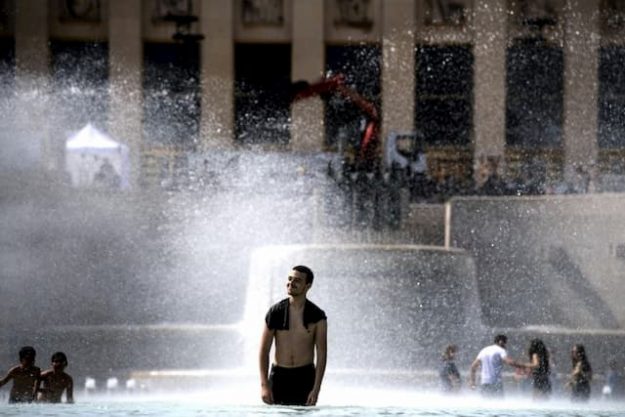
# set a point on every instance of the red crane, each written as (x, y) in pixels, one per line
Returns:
(368, 154)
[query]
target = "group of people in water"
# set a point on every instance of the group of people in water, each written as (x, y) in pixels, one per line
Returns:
(537, 370)
(298, 328)
(296, 325)
(30, 384)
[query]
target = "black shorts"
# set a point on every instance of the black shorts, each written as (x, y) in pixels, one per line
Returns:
(291, 386)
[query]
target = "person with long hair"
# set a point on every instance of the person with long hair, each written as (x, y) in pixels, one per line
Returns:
(581, 374)
(540, 369)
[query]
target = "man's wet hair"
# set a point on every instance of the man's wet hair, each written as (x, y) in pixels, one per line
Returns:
(501, 338)
(305, 270)
(27, 351)
(59, 357)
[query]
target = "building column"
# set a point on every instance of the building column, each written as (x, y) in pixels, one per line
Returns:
(398, 73)
(581, 63)
(32, 56)
(125, 79)
(307, 64)
(217, 74)
(490, 42)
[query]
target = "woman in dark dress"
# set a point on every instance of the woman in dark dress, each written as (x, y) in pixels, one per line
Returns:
(540, 368)
(581, 375)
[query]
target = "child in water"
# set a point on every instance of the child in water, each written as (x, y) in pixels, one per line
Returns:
(448, 373)
(25, 377)
(55, 381)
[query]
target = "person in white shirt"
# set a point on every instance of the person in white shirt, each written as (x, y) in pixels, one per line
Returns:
(491, 360)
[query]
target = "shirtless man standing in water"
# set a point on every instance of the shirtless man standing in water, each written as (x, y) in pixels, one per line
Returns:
(299, 329)
(25, 377)
(55, 381)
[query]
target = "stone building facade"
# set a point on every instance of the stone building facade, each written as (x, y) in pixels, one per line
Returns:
(506, 84)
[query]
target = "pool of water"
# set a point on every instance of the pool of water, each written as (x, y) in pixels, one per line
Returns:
(348, 403)
(195, 409)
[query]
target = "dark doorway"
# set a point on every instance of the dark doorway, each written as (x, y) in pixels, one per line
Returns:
(171, 94)
(262, 94)
(611, 97)
(444, 94)
(80, 83)
(534, 101)
(7, 65)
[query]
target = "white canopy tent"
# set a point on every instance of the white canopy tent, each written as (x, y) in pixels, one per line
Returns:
(93, 159)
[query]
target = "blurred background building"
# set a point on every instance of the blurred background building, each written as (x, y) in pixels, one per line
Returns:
(527, 90)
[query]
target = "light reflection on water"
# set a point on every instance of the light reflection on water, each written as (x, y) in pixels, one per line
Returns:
(347, 403)
(197, 409)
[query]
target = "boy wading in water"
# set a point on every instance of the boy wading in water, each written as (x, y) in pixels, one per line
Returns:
(299, 329)
(55, 381)
(25, 377)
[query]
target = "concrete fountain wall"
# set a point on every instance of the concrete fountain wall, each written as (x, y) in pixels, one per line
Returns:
(389, 307)
(551, 266)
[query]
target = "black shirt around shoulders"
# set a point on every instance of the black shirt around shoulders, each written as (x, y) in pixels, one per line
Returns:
(277, 318)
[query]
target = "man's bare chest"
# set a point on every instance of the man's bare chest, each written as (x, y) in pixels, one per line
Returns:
(297, 330)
